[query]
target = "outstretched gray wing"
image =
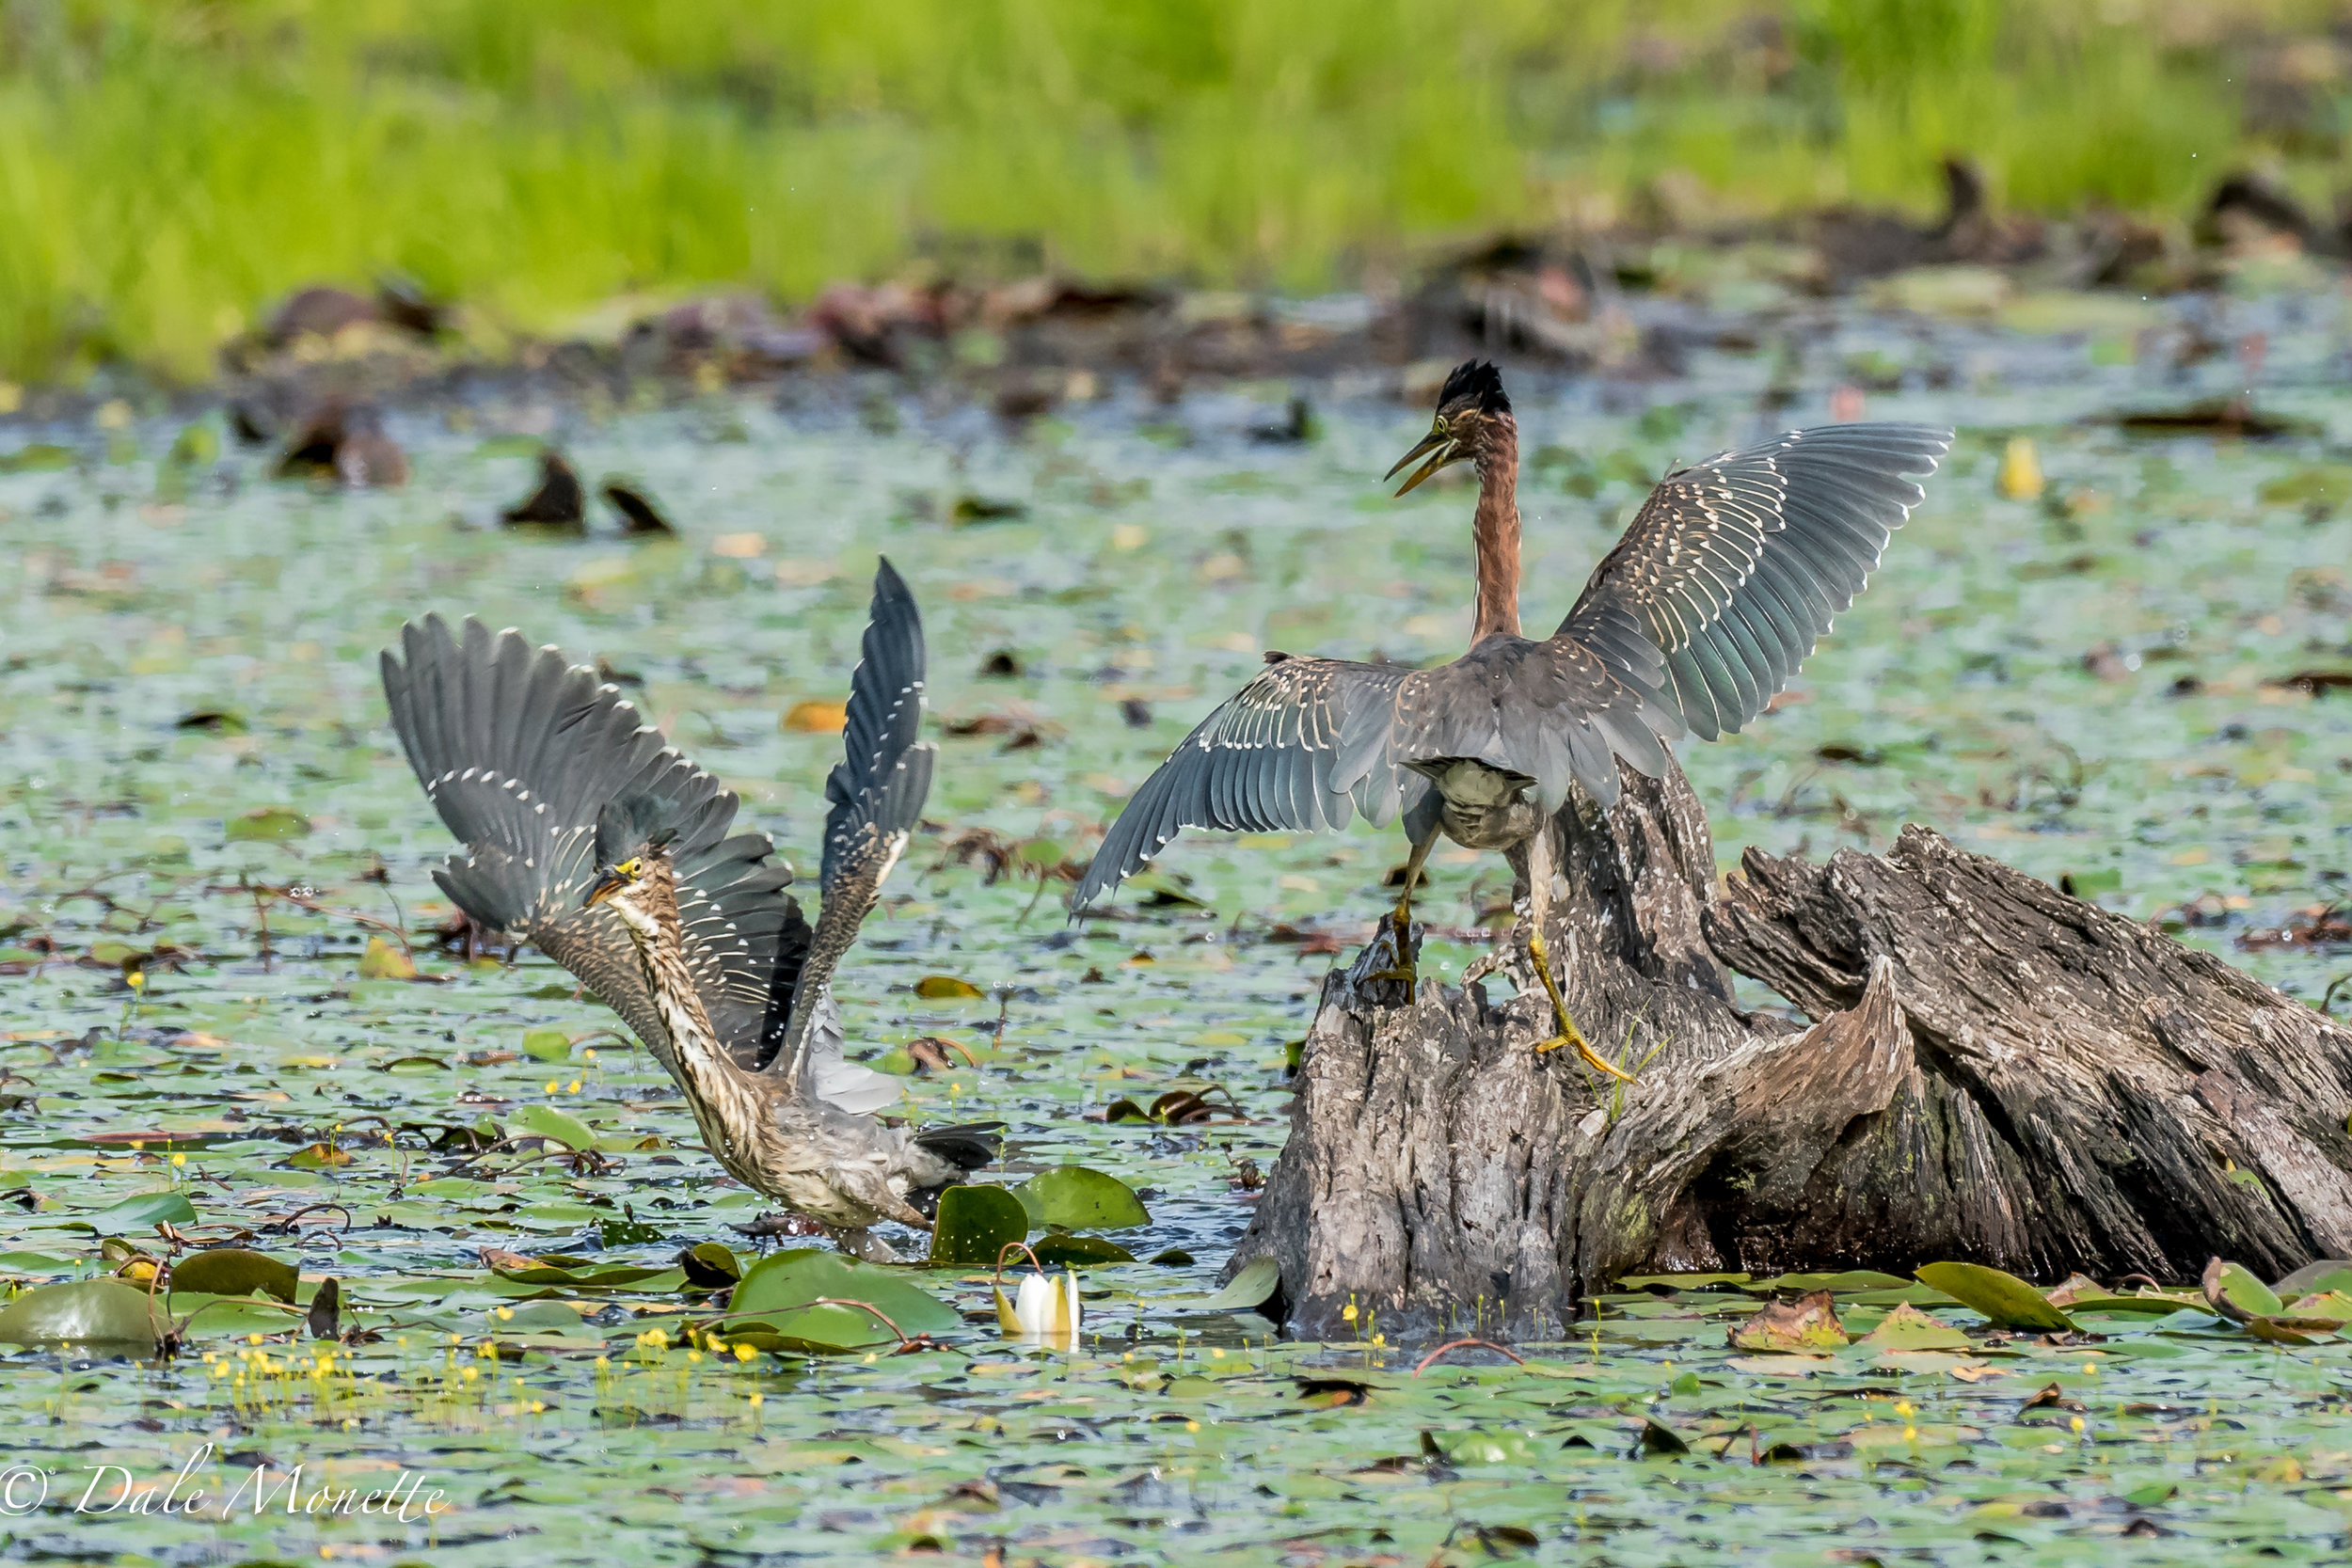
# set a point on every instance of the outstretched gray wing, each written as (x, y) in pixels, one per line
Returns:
(519, 751)
(1300, 748)
(1735, 566)
(876, 794)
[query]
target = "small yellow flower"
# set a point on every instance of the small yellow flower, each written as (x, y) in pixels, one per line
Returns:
(589, 1054)
(252, 1338)
(468, 1374)
(550, 1086)
(1216, 1355)
(2091, 1368)
(758, 1398)
(2077, 1424)
(573, 1087)
(1347, 1313)
(538, 1408)
(505, 1312)
(744, 1352)
(603, 1361)
(179, 1159)
(693, 1357)
(1902, 1408)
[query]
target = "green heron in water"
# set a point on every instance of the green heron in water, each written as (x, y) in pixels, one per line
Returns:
(588, 835)
(1728, 575)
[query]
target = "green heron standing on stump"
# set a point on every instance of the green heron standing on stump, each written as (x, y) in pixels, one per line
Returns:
(1704, 610)
(586, 833)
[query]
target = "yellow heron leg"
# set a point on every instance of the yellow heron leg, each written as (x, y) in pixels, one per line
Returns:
(1402, 919)
(1538, 911)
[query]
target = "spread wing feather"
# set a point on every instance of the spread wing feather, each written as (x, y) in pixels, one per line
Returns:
(519, 751)
(1734, 567)
(1304, 746)
(875, 796)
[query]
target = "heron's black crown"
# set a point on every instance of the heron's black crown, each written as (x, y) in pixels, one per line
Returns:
(1475, 381)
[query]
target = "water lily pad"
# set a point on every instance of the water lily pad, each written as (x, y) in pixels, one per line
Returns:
(383, 961)
(946, 988)
(1077, 1197)
(2002, 1298)
(1069, 1250)
(547, 1045)
(2325, 1273)
(235, 1272)
(546, 1122)
(266, 825)
(973, 1226)
(1681, 1281)
(82, 1312)
(1850, 1280)
(778, 1290)
(1253, 1286)
(2233, 1291)
(2321, 1307)
(630, 1231)
(709, 1266)
(1907, 1328)
(144, 1212)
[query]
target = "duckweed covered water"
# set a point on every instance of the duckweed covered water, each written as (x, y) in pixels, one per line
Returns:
(198, 789)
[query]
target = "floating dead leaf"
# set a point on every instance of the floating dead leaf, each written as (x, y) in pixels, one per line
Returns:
(2224, 416)
(2233, 1291)
(2314, 683)
(2049, 1397)
(2280, 1331)
(929, 1054)
(1806, 1326)
(815, 718)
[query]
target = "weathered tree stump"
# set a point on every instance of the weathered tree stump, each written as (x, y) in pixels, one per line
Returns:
(1998, 1073)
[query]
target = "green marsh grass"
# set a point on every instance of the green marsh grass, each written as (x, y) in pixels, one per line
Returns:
(169, 169)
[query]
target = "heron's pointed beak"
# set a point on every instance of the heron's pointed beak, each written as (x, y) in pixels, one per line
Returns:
(1439, 441)
(606, 884)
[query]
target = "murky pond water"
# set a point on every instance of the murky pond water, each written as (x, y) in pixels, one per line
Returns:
(2094, 684)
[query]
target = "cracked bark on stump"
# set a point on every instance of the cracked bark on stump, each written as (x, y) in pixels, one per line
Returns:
(1998, 1073)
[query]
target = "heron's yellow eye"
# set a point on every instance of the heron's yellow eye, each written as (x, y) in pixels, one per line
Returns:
(1444, 424)
(628, 868)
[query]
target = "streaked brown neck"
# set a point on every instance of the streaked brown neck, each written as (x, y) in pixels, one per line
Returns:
(724, 1099)
(1495, 528)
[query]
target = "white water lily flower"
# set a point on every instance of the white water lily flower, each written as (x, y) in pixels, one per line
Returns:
(1045, 1313)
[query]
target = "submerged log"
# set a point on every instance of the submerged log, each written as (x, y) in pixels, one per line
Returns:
(1997, 1073)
